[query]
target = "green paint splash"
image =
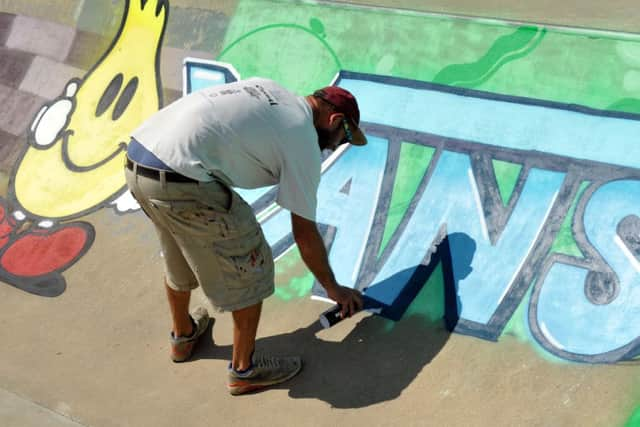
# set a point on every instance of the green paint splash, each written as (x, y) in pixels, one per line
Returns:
(634, 421)
(565, 243)
(505, 49)
(413, 163)
(293, 280)
(507, 177)
(518, 328)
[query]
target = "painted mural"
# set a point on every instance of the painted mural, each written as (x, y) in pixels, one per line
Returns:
(454, 187)
(484, 176)
(524, 179)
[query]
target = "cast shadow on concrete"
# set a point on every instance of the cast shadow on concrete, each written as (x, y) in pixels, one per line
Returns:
(373, 363)
(379, 358)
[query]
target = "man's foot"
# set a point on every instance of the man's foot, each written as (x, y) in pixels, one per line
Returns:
(265, 371)
(182, 347)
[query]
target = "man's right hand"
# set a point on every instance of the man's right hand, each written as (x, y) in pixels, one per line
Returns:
(349, 299)
(314, 254)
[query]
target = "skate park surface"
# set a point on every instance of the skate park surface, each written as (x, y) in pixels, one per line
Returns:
(498, 197)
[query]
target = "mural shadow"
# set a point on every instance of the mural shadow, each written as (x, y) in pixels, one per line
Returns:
(408, 283)
(464, 247)
(379, 358)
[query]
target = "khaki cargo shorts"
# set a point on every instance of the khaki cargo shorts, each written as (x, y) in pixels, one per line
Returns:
(209, 237)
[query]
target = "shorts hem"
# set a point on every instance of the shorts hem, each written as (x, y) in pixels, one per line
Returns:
(244, 304)
(180, 288)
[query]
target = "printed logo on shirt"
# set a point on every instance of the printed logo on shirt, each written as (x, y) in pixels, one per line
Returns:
(252, 91)
(256, 91)
(229, 91)
(269, 97)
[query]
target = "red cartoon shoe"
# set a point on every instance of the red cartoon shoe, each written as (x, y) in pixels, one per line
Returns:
(33, 260)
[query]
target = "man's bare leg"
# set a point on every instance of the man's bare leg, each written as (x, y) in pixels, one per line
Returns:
(245, 327)
(179, 305)
(263, 374)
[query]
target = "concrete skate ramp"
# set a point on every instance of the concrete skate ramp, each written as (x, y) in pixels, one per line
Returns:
(493, 217)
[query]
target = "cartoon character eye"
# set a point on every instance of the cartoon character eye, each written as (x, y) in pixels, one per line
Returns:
(124, 100)
(111, 93)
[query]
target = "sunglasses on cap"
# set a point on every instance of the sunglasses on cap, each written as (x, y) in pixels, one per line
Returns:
(348, 136)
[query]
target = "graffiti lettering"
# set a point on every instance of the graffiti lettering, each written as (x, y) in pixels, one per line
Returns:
(506, 243)
(604, 290)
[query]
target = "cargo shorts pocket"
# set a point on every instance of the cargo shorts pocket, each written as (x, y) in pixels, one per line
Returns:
(248, 264)
(195, 217)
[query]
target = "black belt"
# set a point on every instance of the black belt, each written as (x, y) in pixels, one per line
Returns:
(155, 174)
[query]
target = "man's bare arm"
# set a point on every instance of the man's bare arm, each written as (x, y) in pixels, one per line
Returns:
(314, 255)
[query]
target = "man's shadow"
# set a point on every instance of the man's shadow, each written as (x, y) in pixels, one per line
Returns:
(378, 359)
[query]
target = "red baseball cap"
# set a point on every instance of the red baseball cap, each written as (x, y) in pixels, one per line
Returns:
(344, 102)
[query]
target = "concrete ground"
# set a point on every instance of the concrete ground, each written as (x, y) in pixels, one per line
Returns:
(615, 15)
(101, 359)
(97, 355)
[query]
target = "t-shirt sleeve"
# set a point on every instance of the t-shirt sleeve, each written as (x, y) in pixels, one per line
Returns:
(298, 188)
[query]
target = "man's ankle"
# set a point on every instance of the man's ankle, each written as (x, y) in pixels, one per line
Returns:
(242, 366)
(242, 372)
(189, 334)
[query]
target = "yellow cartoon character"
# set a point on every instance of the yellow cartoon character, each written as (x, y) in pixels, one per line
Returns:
(74, 161)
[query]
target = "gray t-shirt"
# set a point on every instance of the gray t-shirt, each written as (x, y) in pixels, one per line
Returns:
(252, 133)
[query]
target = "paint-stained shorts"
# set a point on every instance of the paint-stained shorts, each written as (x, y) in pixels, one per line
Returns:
(209, 237)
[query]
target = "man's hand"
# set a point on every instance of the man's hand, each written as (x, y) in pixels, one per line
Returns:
(349, 299)
(314, 254)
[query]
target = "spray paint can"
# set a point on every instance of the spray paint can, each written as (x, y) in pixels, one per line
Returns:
(331, 316)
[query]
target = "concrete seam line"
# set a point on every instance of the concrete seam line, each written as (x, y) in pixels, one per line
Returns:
(45, 409)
